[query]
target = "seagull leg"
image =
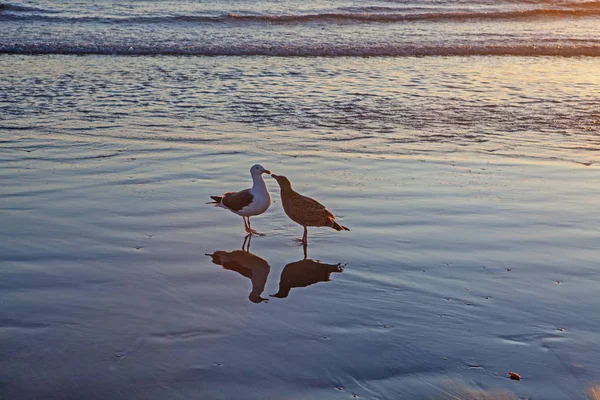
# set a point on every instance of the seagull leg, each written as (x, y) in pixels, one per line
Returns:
(252, 231)
(304, 239)
(247, 225)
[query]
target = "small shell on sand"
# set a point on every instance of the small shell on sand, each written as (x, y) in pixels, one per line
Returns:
(514, 376)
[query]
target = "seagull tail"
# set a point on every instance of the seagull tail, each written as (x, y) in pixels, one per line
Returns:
(338, 227)
(217, 200)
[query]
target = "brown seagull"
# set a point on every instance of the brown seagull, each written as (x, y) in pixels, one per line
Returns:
(304, 210)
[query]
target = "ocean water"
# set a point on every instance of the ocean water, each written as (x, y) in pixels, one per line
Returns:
(302, 28)
(463, 155)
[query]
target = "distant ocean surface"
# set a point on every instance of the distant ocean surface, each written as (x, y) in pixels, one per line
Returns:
(302, 28)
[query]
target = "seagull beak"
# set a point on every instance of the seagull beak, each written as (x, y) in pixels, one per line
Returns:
(266, 171)
(273, 176)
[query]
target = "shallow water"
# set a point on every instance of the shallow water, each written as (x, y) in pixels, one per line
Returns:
(470, 187)
(526, 108)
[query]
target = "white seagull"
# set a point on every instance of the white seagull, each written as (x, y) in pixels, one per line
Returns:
(249, 202)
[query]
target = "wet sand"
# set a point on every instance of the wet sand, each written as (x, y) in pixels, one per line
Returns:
(457, 271)
(469, 257)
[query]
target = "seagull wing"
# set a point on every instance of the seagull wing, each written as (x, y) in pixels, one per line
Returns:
(235, 201)
(315, 206)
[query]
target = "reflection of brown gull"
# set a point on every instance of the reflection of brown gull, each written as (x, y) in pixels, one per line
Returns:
(247, 264)
(304, 210)
(304, 273)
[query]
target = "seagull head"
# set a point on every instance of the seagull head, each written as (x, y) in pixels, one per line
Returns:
(258, 169)
(283, 181)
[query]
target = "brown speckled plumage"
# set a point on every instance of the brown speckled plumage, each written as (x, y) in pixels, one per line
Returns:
(304, 210)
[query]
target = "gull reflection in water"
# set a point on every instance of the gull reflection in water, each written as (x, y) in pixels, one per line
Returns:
(247, 264)
(304, 273)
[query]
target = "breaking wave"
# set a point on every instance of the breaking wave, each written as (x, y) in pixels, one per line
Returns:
(355, 14)
(5, 7)
(421, 16)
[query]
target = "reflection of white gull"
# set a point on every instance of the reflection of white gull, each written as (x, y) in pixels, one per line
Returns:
(248, 202)
(247, 264)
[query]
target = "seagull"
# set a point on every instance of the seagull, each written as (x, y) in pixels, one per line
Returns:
(249, 202)
(304, 210)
